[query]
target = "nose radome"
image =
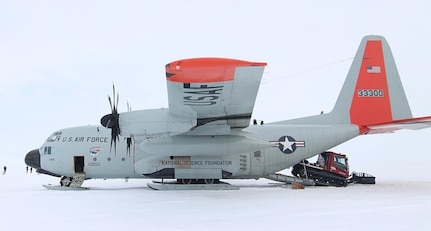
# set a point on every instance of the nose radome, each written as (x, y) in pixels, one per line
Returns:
(32, 159)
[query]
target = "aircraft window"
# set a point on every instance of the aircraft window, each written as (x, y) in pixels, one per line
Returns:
(47, 150)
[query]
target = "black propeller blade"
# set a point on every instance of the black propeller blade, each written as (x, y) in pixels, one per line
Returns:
(112, 120)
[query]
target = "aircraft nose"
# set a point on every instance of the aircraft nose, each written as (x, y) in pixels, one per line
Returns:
(32, 159)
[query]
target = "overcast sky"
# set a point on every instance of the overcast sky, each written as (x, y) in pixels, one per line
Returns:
(58, 59)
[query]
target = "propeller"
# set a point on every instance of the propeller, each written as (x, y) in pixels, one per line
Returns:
(112, 120)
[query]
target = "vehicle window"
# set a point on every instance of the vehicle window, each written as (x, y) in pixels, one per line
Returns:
(340, 162)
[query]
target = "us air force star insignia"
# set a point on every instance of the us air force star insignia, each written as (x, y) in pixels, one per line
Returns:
(288, 144)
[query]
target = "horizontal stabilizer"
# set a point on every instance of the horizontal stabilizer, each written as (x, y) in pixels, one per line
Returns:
(412, 124)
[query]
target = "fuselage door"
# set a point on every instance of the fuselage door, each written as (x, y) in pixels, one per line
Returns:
(79, 164)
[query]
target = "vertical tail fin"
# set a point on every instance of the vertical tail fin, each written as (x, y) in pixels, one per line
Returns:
(372, 96)
(372, 92)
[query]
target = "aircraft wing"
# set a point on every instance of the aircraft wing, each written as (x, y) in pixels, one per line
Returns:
(411, 123)
(221, 91)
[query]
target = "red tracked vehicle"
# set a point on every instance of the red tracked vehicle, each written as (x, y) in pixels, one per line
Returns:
(331, 169)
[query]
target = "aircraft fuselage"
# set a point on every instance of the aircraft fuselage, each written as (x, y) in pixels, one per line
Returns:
(253, 152)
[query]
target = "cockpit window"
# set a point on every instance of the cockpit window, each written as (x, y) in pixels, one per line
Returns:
(47, 150)
(54, 137)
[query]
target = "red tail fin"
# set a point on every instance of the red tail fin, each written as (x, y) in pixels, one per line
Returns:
(372, 92)
(371, 103)
(372, 96)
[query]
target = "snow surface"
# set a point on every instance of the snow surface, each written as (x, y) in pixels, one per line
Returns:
(258, 205)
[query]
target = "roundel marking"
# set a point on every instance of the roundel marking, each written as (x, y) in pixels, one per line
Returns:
(288, 144)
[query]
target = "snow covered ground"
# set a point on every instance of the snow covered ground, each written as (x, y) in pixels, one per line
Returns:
(258, 205)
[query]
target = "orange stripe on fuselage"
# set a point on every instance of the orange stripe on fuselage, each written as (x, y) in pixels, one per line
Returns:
(205, 70)
(371, 103)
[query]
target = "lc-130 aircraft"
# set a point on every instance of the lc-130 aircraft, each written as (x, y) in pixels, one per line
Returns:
(205, 135)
